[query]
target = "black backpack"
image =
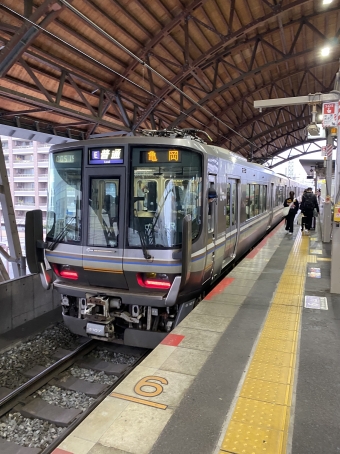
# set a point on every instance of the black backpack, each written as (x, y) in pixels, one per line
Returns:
(308, 202)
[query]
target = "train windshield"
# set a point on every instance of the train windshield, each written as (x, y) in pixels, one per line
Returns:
(166, 185)
(63, 222)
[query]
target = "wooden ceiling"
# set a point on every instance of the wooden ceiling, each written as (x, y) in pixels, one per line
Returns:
(82, 67)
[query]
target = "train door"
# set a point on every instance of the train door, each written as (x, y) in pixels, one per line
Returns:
(212, 225)
(271, 204)
(103, 250)
(231, 219)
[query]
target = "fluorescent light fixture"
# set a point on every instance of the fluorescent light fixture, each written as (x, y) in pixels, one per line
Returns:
(327, 2)
(325, 51)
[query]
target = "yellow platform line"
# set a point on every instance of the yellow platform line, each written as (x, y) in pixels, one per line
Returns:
(139, 401)
(260, 420)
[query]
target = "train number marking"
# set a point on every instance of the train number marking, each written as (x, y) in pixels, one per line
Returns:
(157, 389)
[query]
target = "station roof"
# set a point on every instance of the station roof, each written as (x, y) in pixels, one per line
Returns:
(78, 68)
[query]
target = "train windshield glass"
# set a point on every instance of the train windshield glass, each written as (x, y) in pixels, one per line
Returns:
(103, 212)
(63, 222)
(166, 185)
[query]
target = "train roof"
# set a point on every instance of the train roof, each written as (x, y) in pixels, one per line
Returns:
(179, 142)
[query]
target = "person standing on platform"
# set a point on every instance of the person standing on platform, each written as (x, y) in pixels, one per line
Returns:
(308, 204)
(293, 205)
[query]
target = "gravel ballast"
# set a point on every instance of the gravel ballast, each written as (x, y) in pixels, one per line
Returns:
(31, 433)
(36, 350)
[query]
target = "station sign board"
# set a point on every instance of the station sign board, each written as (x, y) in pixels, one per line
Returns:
(330, 114)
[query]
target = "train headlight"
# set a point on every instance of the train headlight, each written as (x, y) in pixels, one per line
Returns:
(154, 280)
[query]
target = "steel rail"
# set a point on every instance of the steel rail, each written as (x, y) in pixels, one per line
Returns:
(68, 430)
(35, 383)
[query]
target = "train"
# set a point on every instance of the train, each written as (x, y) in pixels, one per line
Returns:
(138, 228)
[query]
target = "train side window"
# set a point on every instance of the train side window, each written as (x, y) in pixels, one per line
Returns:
(279, 195)
(250, 204)
(261, 209)
(244, 201)
(233, 205)
(257, 199)
(212, 199)
(228, 208)
(264, 198)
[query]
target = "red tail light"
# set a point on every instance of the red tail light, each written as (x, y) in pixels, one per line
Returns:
(64, 271)
(68, 274)
(153, 280)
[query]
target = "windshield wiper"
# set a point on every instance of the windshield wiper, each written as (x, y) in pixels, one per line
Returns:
(152, 230)
(141, 234)
(61, 234)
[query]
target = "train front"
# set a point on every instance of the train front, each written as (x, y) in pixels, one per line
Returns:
(120, 224)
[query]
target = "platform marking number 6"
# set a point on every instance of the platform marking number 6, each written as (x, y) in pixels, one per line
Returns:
(158, 389)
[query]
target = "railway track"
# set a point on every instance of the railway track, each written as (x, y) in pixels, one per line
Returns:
(27, 403)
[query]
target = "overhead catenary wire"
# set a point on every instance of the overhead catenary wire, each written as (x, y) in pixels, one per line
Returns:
(145, 64)
(121, 46)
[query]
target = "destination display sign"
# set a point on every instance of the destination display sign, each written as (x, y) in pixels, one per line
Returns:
(65, 159)
(161, 156)
(106, 155)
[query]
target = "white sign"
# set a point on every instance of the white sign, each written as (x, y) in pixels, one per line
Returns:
(330, 114)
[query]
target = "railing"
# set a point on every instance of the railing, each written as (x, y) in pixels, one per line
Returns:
(22, 150)
(19, 164)
(24, 206)
(24, 189)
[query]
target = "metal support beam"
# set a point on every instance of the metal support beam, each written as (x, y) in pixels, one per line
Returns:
(27, 33)
(9, 219)
(315, 98)
(122, 111)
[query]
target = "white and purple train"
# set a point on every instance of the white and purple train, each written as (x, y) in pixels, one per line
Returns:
(138, 228)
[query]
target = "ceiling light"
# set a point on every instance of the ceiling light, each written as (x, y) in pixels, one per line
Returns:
(327, 2)
(325, 51)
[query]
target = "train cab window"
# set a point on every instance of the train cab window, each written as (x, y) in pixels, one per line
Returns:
(63, 219)
(103, 212)
(165, 186)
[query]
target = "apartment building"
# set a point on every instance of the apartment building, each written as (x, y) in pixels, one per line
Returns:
(27, 169)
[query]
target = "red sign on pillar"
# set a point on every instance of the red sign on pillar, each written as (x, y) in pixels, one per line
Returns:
(330, 114)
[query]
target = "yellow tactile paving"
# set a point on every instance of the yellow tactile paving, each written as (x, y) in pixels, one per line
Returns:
(277, 316)
(261, 414)
(260, 420)
(280, 334)
(265, 391)
(287, 323)
(245, 438)
(270, 372)
(312, 259)
(264, 355)
(282, 298)
(285, 345)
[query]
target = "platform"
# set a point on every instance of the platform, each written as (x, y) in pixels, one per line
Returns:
(250, 370)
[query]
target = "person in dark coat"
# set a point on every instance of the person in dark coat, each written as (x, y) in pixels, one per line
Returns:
(293, 205)
(308, 203)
